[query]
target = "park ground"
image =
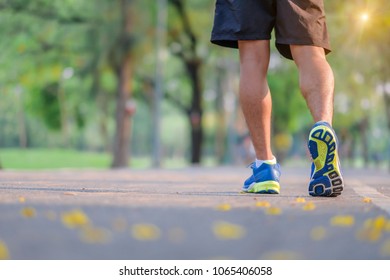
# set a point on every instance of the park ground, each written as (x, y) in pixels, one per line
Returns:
(189, 213)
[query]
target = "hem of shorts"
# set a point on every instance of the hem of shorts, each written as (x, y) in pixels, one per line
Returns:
(309, 42)
(232, 41)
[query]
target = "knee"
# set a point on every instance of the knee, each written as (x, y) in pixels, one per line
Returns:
(254, 56)
(307, 55)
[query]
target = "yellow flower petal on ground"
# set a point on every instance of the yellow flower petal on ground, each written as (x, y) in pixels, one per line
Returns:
(374, 228)
(369, 234)
(310, 206)
(75, 219)
(95, 235)
(22, 199)
(385, 249)
(367, 200)
(342, 221)
(224, 207)
(273, 211)
(318, 233)
(28, 212)
(4, 253)
(281, 255)
(300, 200)
(70, 193)
(145, 232)
(379, 223)
(228, 231)
(263, 204)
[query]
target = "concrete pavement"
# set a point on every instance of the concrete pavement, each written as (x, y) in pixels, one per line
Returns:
(191, 213)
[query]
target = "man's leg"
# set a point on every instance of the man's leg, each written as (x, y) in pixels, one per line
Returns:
(255, 97)
(256, 105)
(317, 86)
(316, 81)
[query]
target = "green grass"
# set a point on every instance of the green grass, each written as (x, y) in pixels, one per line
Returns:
(52, 159)
(35, 159)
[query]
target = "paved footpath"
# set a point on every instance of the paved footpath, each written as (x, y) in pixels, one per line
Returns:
(192, 213)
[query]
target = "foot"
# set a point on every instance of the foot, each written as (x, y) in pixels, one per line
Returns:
(326, 178)
(265, 179)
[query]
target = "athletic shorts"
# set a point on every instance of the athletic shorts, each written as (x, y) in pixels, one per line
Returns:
(296, 22)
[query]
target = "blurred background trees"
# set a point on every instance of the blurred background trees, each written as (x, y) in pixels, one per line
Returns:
(81, 76)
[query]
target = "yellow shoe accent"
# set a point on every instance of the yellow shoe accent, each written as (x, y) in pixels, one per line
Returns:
(270, 187)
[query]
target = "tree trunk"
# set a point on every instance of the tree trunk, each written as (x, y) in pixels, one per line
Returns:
(124, 111)
(386, 95)
(123, 121)
(102, 102)
(64, 115)
(363, 127)
(22, 122)
(192, 63)
(195, 113)
(221, 131)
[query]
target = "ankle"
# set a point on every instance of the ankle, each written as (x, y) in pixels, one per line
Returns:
(259, 162)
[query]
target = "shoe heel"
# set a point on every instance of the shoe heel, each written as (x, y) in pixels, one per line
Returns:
(327, 179)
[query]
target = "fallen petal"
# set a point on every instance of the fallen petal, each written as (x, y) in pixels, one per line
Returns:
(367, 200)
(28, 212)
(228, 231)
(379, 223)
(263, 204)
(75, 219)
(70, 193)
(145, 232)
(95, 235)
(224, 207)
(342, 221)
(273, 211)
(281, 255)
(369, 234)
(4, 253)
(310, 206)
(318, 233)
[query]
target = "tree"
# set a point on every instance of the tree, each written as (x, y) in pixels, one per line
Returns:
(122, 64)
(185, 44)
(361, 68)
(78, 39)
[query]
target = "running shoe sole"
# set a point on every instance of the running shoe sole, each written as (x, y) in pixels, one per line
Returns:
(266, 187)
(326, 178)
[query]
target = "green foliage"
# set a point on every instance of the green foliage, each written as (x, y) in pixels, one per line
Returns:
(289, 108)
(47, 106)
(40, 39)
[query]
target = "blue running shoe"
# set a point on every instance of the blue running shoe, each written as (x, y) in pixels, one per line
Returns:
(326, 178)
(265, 179)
